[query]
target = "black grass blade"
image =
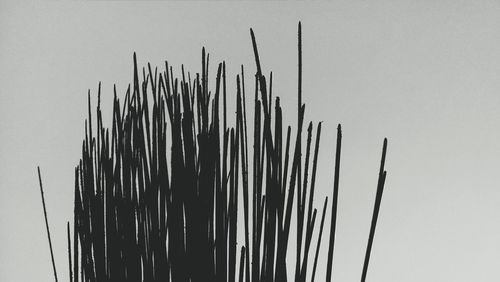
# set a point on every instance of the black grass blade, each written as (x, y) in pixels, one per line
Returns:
(47, 225)
(376, 208)
(334, 205)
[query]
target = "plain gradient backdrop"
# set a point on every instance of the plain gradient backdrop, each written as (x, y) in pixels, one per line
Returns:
(425, 74)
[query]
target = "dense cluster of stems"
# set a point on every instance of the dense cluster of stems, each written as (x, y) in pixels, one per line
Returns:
(167, 192)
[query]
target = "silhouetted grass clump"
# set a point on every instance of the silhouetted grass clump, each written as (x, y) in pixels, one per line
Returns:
(163, 193)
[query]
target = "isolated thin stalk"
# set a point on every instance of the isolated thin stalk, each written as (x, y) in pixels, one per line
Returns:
(47, 225)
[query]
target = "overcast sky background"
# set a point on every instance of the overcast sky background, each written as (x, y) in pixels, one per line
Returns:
(424, 74)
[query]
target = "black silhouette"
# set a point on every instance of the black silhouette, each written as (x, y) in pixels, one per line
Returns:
(146, 213)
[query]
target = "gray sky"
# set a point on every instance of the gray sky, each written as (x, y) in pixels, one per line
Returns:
(425, 74)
